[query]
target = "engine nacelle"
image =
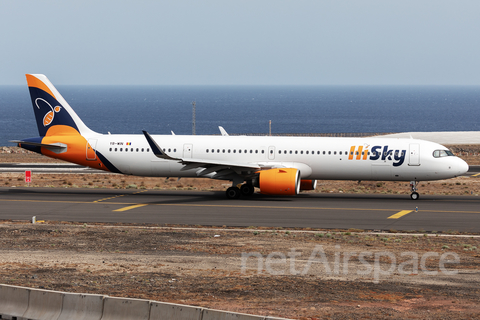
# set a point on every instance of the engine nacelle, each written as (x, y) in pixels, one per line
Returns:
(282, 181)
(306, 185)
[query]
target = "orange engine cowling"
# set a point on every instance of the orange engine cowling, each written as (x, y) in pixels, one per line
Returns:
(285, 181)
(308, 185)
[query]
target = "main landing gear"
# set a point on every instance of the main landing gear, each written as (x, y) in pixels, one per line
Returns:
(413, 187)
(245, 190)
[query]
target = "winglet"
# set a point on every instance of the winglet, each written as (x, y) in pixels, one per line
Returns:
(223, 131)
(157, 151)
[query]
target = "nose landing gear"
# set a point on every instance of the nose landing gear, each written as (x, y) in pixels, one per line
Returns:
(413, 187)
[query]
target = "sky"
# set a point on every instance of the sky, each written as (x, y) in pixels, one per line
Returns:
(248, 42)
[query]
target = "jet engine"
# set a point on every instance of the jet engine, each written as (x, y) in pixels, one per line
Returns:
(281, 181)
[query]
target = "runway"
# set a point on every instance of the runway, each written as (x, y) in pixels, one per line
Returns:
(314, 210)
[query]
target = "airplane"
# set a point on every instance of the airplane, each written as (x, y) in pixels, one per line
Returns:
(275, 165)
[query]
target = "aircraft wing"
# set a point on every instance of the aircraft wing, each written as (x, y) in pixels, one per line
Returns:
(208, 165)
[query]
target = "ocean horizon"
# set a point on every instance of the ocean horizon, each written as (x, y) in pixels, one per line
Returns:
(248, 109)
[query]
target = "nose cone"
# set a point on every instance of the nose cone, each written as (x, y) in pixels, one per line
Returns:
(461, 167)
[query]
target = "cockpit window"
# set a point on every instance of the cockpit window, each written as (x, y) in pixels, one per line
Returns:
(442, 153)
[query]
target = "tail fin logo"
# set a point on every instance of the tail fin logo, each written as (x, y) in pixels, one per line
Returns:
(48, 118)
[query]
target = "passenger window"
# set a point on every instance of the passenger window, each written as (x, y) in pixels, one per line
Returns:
(115, 149)
(110, 149)
(142, 149)
(263, 151)
(121, 149)
(329, 152)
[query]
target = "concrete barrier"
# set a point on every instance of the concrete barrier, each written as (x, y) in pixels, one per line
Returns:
(44, 305)
(171, 311)
(128, 309)
(210, 314)
(13, 300)
(81, 307)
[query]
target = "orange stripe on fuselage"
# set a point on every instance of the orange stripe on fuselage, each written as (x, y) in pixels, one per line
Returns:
(36, 83)
(365, 154)
(352, 150)
(359, 152)
(76, 146)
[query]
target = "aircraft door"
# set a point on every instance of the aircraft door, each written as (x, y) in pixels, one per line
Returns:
(91, 146)
(414, 155)
(187, 150)
(271, 153)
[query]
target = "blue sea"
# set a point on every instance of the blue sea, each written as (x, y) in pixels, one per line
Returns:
(248, 109)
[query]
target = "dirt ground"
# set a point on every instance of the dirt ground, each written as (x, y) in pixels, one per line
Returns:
(299, 274)
(204, 267)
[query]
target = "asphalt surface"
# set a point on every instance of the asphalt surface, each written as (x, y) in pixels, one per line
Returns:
(370, 212)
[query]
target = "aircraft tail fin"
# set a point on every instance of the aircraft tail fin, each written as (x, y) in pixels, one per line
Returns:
(52, 112)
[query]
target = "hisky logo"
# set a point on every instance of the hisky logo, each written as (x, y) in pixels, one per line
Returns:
(377, 153)
(50, 115)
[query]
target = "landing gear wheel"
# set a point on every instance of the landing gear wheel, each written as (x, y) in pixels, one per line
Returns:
(247, 189)
(233, 193)
(413, 187)
(414, 196)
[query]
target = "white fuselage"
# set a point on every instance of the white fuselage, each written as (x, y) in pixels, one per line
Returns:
(317, 158)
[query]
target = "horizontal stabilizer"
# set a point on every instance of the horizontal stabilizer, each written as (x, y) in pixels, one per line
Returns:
(37, 144)
(54, 147)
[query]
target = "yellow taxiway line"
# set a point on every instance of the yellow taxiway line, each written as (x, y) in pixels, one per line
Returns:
(400, 214)
(131, 207)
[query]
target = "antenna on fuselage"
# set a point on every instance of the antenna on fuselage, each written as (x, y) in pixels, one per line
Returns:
(193, 117)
